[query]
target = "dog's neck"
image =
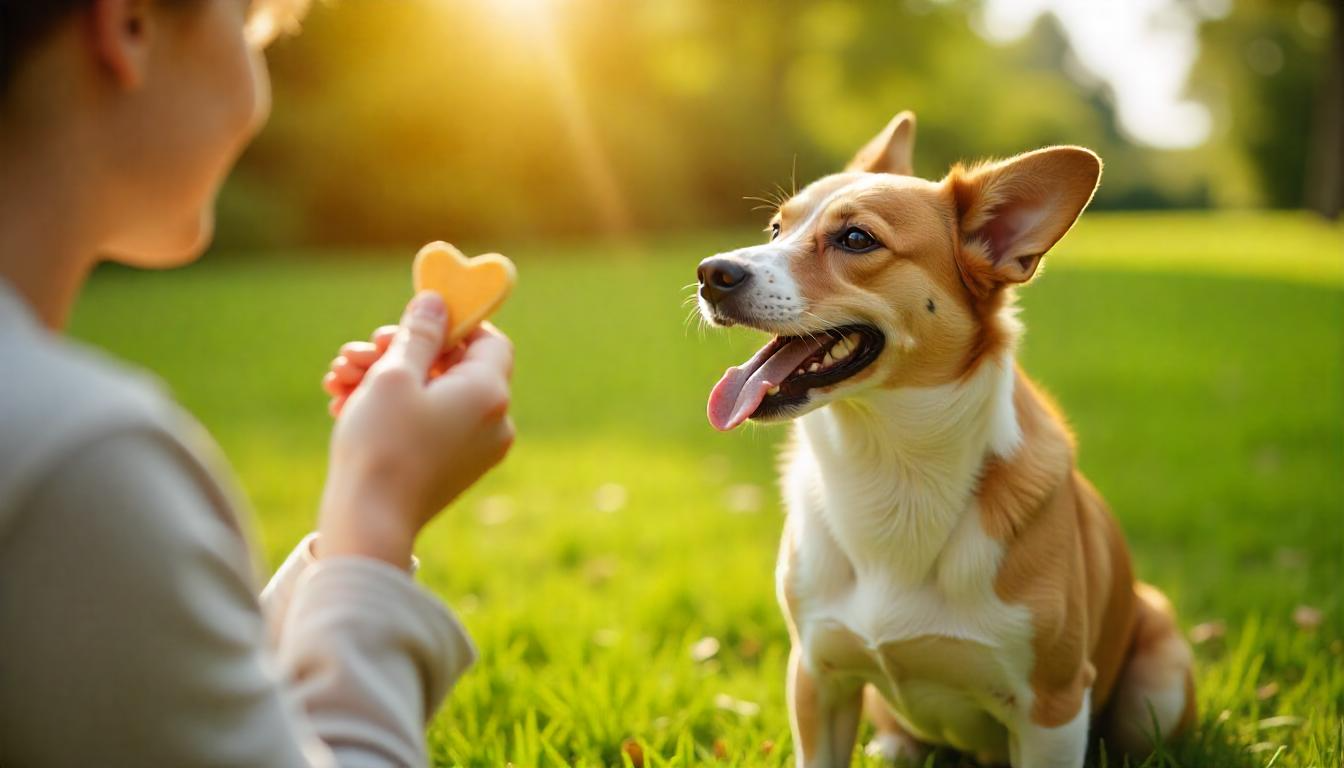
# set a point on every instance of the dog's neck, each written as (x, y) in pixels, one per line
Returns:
(899, 468)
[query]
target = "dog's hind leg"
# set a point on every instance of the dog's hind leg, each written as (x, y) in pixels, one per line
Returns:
(1156, 687)
(891, 742)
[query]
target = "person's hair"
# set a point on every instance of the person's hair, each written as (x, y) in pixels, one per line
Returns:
(24, 23)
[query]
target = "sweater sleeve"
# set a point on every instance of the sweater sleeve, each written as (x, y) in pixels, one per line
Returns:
(129, 631)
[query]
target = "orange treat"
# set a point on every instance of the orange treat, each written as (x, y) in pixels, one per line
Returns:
(472, 288)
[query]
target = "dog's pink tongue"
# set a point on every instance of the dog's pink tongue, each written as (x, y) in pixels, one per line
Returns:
(740, 392)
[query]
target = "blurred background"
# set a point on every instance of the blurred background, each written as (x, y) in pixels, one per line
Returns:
(617, 570)
(399, 122)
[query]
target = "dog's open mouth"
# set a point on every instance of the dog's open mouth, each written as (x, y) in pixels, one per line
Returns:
(785, 370)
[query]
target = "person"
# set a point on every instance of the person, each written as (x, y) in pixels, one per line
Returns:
(131, 631)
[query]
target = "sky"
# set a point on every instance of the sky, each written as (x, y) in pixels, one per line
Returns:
(1142, 49)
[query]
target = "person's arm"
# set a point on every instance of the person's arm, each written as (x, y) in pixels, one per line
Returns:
(130, 633)
(279, 591)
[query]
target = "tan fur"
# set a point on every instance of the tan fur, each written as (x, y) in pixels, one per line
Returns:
(891, 151)
(1158, 658)
(941, 288)
(1065, 560)
(803, 704)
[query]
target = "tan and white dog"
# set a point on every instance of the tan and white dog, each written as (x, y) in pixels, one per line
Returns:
(943, 557)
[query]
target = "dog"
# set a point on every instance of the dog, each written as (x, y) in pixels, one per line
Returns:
(943, 560)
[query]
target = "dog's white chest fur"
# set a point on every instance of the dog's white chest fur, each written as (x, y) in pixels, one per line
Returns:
(892, 576)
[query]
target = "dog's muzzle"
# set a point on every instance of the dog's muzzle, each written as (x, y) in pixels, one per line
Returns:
(720, 279)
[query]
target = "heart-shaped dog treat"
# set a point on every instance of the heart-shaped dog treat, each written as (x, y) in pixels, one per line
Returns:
(472, 288)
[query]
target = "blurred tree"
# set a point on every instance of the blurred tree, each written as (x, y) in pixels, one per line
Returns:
(1325, 173)
(520, 119)
(1264, 68)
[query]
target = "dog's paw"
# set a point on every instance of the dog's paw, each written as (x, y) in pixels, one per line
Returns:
(896, 749)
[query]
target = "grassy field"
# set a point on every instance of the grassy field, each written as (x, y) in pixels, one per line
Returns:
(617, 570)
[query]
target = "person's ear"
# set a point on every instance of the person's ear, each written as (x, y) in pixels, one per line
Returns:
(1011, 212)
(120, 33)
(890, 151)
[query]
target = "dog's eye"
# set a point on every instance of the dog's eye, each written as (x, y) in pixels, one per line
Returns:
(774, 229)
(856, 240)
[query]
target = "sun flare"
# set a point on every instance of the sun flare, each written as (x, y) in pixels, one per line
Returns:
(524, 15)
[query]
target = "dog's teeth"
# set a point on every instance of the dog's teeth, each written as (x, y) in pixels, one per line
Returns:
(828, 360)
(813, 368)
(772, 391)
(842, 349)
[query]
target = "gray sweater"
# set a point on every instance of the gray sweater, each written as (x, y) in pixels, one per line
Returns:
(131, 633)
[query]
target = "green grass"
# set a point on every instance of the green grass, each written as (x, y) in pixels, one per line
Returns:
(1200, 360)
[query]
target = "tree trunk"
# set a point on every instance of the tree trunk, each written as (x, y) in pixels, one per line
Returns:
(1325, 168)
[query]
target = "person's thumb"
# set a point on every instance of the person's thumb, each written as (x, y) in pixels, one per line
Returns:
(420, 338)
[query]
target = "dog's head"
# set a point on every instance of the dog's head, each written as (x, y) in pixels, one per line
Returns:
(874, 278)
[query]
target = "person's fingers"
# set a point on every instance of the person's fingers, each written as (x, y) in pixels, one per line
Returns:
(420, 338)
(346, 372)
(489, 348)
(446, 361)
(361, 353)
(335, 405)
(382, 337)
(332, 385)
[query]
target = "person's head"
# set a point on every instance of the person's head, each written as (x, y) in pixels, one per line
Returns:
(151, 101)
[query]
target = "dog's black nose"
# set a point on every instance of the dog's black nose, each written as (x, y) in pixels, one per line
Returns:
(720, 277)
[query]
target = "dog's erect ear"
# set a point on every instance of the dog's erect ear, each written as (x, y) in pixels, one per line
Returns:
(891, 151)
(1011, 212)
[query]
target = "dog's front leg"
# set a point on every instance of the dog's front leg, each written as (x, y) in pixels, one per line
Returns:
(824, 712)
(1062, 746)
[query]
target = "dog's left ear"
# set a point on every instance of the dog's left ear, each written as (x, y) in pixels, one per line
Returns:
(891, 151)
(1011, 212)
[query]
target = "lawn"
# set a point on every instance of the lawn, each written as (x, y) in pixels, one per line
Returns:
(617, 570)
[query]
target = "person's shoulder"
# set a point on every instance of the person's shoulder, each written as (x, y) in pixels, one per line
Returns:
(57, 395)
(52, 380)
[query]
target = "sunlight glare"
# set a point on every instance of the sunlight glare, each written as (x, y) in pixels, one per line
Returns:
(531, 16)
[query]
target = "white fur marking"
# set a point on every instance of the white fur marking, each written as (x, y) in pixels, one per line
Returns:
(1005, 433)
(893, 576)
(1061, 747)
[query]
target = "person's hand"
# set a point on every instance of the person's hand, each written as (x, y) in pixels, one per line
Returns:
(352, 364)
(407, 443)
(349, 367)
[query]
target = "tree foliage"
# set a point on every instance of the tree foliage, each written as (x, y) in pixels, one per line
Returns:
(406, 120)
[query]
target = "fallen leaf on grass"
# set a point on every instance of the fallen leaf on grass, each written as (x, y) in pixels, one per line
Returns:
(705, 649)
(610, 497)
(749, 648)
(744, 498)
(495, 510)
(720, 750)
(1267, 690)
(1282, 721)
(743, 708)
(632, 750)
(767, 747)
(1306, 617)
(1209, 630)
